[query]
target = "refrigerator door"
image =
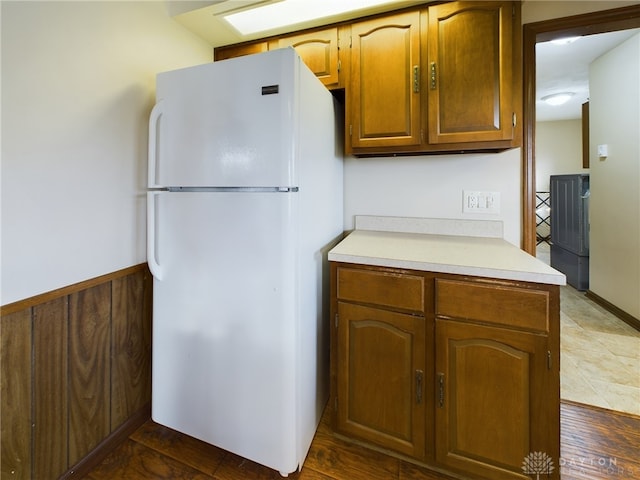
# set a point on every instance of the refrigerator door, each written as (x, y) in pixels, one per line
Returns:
(224, 321)
(230, 123)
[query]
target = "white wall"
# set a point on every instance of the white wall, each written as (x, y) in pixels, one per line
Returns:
(431, 186)
(558, 150)
(78, 83)
(614, 113)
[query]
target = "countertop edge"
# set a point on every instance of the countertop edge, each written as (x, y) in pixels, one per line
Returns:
(531, 277)
(488, 257)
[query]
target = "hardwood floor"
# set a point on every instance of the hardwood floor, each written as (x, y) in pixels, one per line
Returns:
(596, 444)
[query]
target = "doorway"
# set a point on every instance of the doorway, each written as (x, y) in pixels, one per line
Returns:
(581, 25)
(586, 24)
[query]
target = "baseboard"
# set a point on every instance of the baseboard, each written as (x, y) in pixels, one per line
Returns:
(610, 307)
(595, 408)
(104, 448)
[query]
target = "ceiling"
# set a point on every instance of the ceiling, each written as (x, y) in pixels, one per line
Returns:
(565, 68)
(559, 68)
(205, 18)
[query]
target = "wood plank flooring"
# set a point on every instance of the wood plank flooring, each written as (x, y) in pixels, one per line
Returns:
(597, 444)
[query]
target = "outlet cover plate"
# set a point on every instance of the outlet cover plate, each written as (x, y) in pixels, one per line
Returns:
(477, 201)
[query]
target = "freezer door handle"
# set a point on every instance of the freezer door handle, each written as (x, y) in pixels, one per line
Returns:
(152, 260)
(154, 118)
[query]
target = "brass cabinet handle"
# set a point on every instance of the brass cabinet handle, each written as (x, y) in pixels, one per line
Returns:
(419, 377)
(441, 390)
(432, 75)
(416, 79)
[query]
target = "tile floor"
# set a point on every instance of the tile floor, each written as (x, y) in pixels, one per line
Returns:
(599, 353)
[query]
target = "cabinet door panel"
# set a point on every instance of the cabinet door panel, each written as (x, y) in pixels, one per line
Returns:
(381, 368)
(385, 108)
(470, 96)
(405, 292)
(515, 308)
(319, 51)
(233, 51)
(492, 387)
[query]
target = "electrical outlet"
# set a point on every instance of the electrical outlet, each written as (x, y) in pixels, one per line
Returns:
(474, 201)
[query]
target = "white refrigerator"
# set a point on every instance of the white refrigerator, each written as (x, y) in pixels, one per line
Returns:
(244, 202)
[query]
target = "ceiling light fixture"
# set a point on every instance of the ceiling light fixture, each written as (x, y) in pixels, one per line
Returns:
(564, 41)
(291, 12)
(557, 98)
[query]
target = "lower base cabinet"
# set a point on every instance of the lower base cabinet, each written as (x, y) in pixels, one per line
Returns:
(381, 358)
(492, 385)
(455, 372)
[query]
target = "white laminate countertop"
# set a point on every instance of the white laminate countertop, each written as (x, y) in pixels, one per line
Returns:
(458, 254)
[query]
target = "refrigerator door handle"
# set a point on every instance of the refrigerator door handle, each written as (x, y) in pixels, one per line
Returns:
(154, 266)
(154, 118)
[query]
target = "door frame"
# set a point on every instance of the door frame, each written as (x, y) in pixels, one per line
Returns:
(586, 24)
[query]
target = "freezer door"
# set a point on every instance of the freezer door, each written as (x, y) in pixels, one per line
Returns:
(223, 321)
(228, 123)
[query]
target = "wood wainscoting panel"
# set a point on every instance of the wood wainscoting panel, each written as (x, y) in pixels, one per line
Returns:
(131, 346)
(75, 369)
(50, 387)
(89, 369)
(15, 384)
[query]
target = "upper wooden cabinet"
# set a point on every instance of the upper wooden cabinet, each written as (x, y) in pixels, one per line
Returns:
(384, 95)
(232, 51)
(434, 80)
(319, 51)
(470, 72)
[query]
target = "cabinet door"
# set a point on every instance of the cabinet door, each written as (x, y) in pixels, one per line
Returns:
(319, 51)
(384, 106)
(380, 378)
(496, 400)
(470, 72)
(222, 53)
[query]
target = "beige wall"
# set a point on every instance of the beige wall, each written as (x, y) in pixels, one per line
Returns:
(78, 83)
(614, 112)
(558, 150)
(539, 10)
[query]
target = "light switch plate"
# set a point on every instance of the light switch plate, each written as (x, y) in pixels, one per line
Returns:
(603, 151)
